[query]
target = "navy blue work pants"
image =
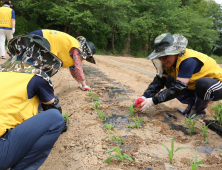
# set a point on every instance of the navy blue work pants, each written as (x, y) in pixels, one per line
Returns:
(28, 145)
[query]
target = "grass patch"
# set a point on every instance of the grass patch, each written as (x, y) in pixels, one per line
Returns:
(217, 58)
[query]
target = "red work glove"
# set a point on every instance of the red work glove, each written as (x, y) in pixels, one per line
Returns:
(84, 88)
(139, 100)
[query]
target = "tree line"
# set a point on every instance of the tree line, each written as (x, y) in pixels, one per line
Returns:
(126, 26)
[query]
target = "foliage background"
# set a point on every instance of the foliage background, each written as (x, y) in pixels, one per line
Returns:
(126, 26)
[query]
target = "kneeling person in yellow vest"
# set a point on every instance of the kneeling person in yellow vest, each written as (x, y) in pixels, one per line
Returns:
(190, 76)
(26, 138)
(71, 51)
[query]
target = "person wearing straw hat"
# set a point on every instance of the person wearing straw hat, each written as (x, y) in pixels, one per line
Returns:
(190, 76)
(71, 51)
(7, 24)
(26, 138)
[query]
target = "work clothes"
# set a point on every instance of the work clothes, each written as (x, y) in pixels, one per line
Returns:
(61, 43)
(15, 106)
(209, 69)
(27, 146)
(26, 138)
(70, 57)
(6, 16)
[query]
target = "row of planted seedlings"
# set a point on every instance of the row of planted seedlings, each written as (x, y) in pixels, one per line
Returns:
(116, 139)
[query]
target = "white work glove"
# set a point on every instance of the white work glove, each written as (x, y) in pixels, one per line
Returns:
(147, 104)
(84, 88)
(13, 30)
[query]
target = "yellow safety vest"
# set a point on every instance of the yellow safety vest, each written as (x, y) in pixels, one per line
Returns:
(61, 43)
(15, 106)
(209, 69)
(5, 17)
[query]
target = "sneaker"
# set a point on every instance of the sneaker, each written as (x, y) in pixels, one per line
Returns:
(3, 57)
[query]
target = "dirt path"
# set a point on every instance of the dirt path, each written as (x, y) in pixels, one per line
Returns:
(118, 81)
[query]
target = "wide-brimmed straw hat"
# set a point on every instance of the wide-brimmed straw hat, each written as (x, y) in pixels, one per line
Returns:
(166, 44)
(31, 54)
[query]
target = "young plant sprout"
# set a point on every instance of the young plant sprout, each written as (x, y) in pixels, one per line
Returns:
(116, 139)
(218, 113)
(96, 104)
(118, 155)
(136, 123)
(190, 123)
(131, 111)
(93, 97)
(205, 133)
(90, 92)
(172, 152)
(101, 115)
(66, 116)
(108, 126)
(195, 164)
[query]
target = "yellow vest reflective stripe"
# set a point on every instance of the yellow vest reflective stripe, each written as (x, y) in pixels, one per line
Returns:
(61, 43)
(209, 69)
(5, 17)
(15, 106)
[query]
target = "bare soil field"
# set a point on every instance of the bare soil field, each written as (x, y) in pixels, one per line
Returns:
(118, 81)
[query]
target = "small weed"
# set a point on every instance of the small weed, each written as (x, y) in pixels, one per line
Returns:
(118, 155)
(190, 123)
(195, 164)
(220, 151)
(108, 126)
(172, 152)
(66, 116)
(101, 115)
(136, 123)
(96, 104)
(116, 139)
(131, 111)
(205, 133)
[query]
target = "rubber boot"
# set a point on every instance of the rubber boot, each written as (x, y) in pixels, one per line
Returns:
(199, 110)
(186, 98)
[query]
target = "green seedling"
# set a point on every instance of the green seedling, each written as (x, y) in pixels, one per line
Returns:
(205, 133)
(172, 152)
(195, 164)
(218, 113)
(102, 115)
(90, 92)
(136, 123)
(131, 111)
(66, 116)
(93, 97)
(116, 139)
(108, 126)
(190, 123)
(118, 155)
(96, 104)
